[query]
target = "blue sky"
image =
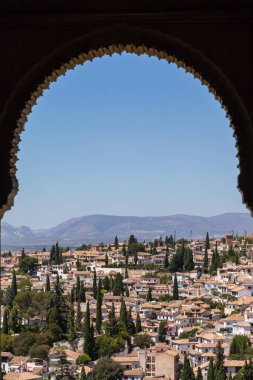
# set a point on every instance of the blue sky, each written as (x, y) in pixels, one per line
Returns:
(125, 135)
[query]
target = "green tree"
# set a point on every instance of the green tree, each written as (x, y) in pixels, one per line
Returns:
(106, 283)
(107, 369)
(187, 372)
(207, 242)
(95, 284)
(106, 260)
(188, 260)
(118, 288)
(138, 323)
(27, 265)
(175, 293)
(240, 346)
(166, 260)
(116, 242)
(142, 340)
(48, 287)
(6, 321)
(131, 240)
(83, 375)
(210, 372)
(149, 295)
(78, 320)
(124, 250)
(123, 314)
(99, 307)
(162, 331)
(39, 351)
(112, 328)
(219, 370)
(205, 262)
(199, 374)
(107, 345)
(130, 323)
(14, 288)
(71, 323)
(82, 296)
(87, 348)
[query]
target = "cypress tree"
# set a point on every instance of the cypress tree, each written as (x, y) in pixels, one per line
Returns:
(95, 284)
(112, 327)
(78, 320)
(219, 370)
(5, 329)
(207, 242)
(247, 371)
(23, 254)
(14, 285)
(149, 295)
(205, 262)
(106, 260)
(124, 250)
(87, 348)
(92, 341)
(126, 266)
(138, 323)
(123, 313)
(175, 294)
(78, 288)
(210, 372)
(52, 254)
(116, 242)
(106, 283)
(135, 257)
(82, 296)
(99, 308)
(118, 288)
(83, 375)
(14, 319)
(72, 294)
(162, 331)
(199, 374)
(130, 323)
(166, 259)
(187, 372)
(47, 288)
(71, 323)
(57, 279)
(126, 292)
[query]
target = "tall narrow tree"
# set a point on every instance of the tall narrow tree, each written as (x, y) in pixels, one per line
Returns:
(14, 285)
(71, 323)
(123, 314)
(112, 326)
(106, 260)
(116, 242)
(199, 374)
(138, 323)
(205, 261)
(130, 323)
(87, 348)
(175, 294)
(95, 284)
(48, 287)
(5, 329)
(99, 307)
(162, 331)
(78, 320)
(219, 369)
(210, 372)
(149, 295)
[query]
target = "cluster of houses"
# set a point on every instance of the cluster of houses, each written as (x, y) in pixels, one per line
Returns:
(193, 325)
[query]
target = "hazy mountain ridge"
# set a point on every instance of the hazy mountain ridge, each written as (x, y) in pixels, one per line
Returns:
(96, 228)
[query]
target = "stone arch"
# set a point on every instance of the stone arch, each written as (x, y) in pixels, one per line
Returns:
(116, 40)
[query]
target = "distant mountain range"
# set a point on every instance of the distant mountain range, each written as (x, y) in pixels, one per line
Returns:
(98, 228)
